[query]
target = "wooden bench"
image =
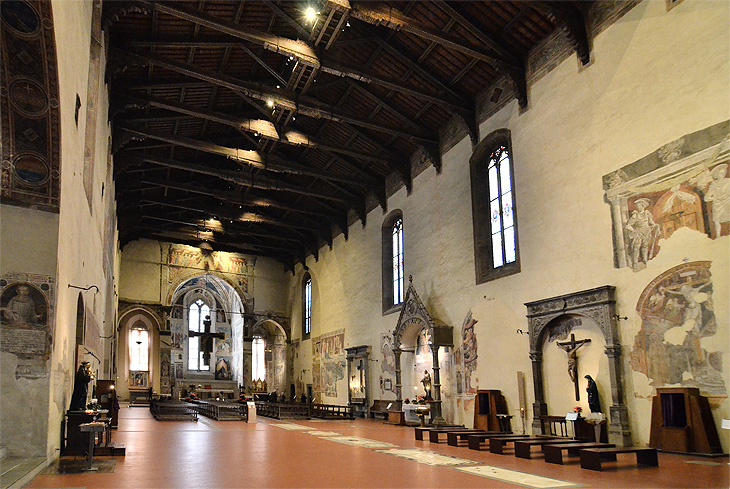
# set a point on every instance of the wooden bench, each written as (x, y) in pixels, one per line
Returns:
(497, 444)
(523, 448)
(433, 435)
(475, 441)
(454, 438)
(420, 430)
(554, 453)
(173, 411)
(379, 407)
(590, 458)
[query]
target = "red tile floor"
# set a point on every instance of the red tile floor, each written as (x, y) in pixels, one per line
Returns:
(211, 454)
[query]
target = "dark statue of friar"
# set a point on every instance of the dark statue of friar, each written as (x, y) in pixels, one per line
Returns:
(594, 403)
(81, 387)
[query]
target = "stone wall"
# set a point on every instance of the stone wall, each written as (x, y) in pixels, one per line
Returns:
(656, 76)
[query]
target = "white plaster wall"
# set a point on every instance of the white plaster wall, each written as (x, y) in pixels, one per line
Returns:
(140, 271)
(657, 76)
(80, 233)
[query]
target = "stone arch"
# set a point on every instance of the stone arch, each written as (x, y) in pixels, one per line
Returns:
(413, 318)
(275, 340)
(128, 317)
(599, 305)
(190, 274)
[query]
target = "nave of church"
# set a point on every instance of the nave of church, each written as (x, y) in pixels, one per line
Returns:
(498, 215)
(360, 453)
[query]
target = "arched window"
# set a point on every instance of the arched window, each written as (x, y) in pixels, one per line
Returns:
(494, 208)
(306, 306)
(258, 359)
(393, 262)
(197, 313)
(139, 347)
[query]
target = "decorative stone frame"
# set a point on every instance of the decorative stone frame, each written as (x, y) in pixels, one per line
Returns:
(598, 304)
(413, 318)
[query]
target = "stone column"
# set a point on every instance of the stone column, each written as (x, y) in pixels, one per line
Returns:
(619, 431)
(539, 407)
(436, 416)
(398, 385)
(619, 240)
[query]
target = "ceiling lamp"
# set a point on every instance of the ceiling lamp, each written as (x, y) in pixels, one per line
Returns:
(310, 14)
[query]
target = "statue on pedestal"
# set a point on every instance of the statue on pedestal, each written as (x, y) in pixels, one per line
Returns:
(594, 403)
(426, 381)
(81, 387)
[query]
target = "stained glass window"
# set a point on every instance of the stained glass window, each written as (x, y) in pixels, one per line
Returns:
(398, 280)
(501, 205)
(307, 305)
(196, 315)
(258, 355)
(139, 347)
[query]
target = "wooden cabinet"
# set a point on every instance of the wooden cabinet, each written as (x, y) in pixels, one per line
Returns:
(487, 405)
(106, 394)
(681, 421)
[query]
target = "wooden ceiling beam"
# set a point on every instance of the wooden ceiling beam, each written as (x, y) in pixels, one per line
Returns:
(234, 197)
(285, 99)
(329, 64)
(395, 20)
(260, 127)
(239, 178)
(571, 20)
(254, 159)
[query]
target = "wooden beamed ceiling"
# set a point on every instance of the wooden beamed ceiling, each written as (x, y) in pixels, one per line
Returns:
(246, 126)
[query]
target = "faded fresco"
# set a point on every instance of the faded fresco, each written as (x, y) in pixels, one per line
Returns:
(682, 184)
(465, 357)
(223, 368)
(677, 312)
(165, 371)
(423, 356)
(25, 321)
(328, 363)
(181, 258)
(387, 365)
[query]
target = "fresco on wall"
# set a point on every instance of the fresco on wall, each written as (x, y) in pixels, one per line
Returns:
(165, 371)
(328, 362)
(469, 351)
(682, 184)
(223, 368)
(25, 321)
(223, 346)
(677, 313)
(181, 258)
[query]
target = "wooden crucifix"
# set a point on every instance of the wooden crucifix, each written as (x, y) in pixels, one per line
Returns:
(206, 339)
(570, 348)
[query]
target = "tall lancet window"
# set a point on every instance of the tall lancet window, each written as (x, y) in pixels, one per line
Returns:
(258, 359)
(393, 262)
(197, 313)
(397, 232)
(494, 208)
(139, 348)
(306, 306)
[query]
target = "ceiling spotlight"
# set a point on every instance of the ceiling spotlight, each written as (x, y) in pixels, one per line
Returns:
(270, 102)
(310, 13)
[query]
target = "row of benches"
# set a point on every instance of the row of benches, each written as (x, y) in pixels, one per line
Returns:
(591, 453)
(167, 410)
(286, 410)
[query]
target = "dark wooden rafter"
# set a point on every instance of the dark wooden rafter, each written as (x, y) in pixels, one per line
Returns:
(306, 106)
(571, 20)
(259, 127)
(252, 158)
(393, 19)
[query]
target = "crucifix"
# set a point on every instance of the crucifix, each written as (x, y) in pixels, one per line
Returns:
(570, 348)
(206, 339)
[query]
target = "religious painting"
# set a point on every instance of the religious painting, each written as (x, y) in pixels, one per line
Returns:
(468, 351)
(138, 379)
(683, 184)
(179, 370)
(223, 346)
(677, 313)
(333, 372)
(223, 368)
(386, 349)
(165, 371)
(25, 318)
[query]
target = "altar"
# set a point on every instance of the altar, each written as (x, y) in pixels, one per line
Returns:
(205, 388)
(409, 412)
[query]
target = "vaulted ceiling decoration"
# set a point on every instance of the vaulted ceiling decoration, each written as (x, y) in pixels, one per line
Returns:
(285, 127)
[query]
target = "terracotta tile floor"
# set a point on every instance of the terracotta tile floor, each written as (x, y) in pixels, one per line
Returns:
(210, 454)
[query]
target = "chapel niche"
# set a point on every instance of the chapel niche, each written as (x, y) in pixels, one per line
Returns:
(598, 305)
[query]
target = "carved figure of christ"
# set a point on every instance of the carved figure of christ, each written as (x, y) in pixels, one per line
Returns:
(571, 347)
(206, 341)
